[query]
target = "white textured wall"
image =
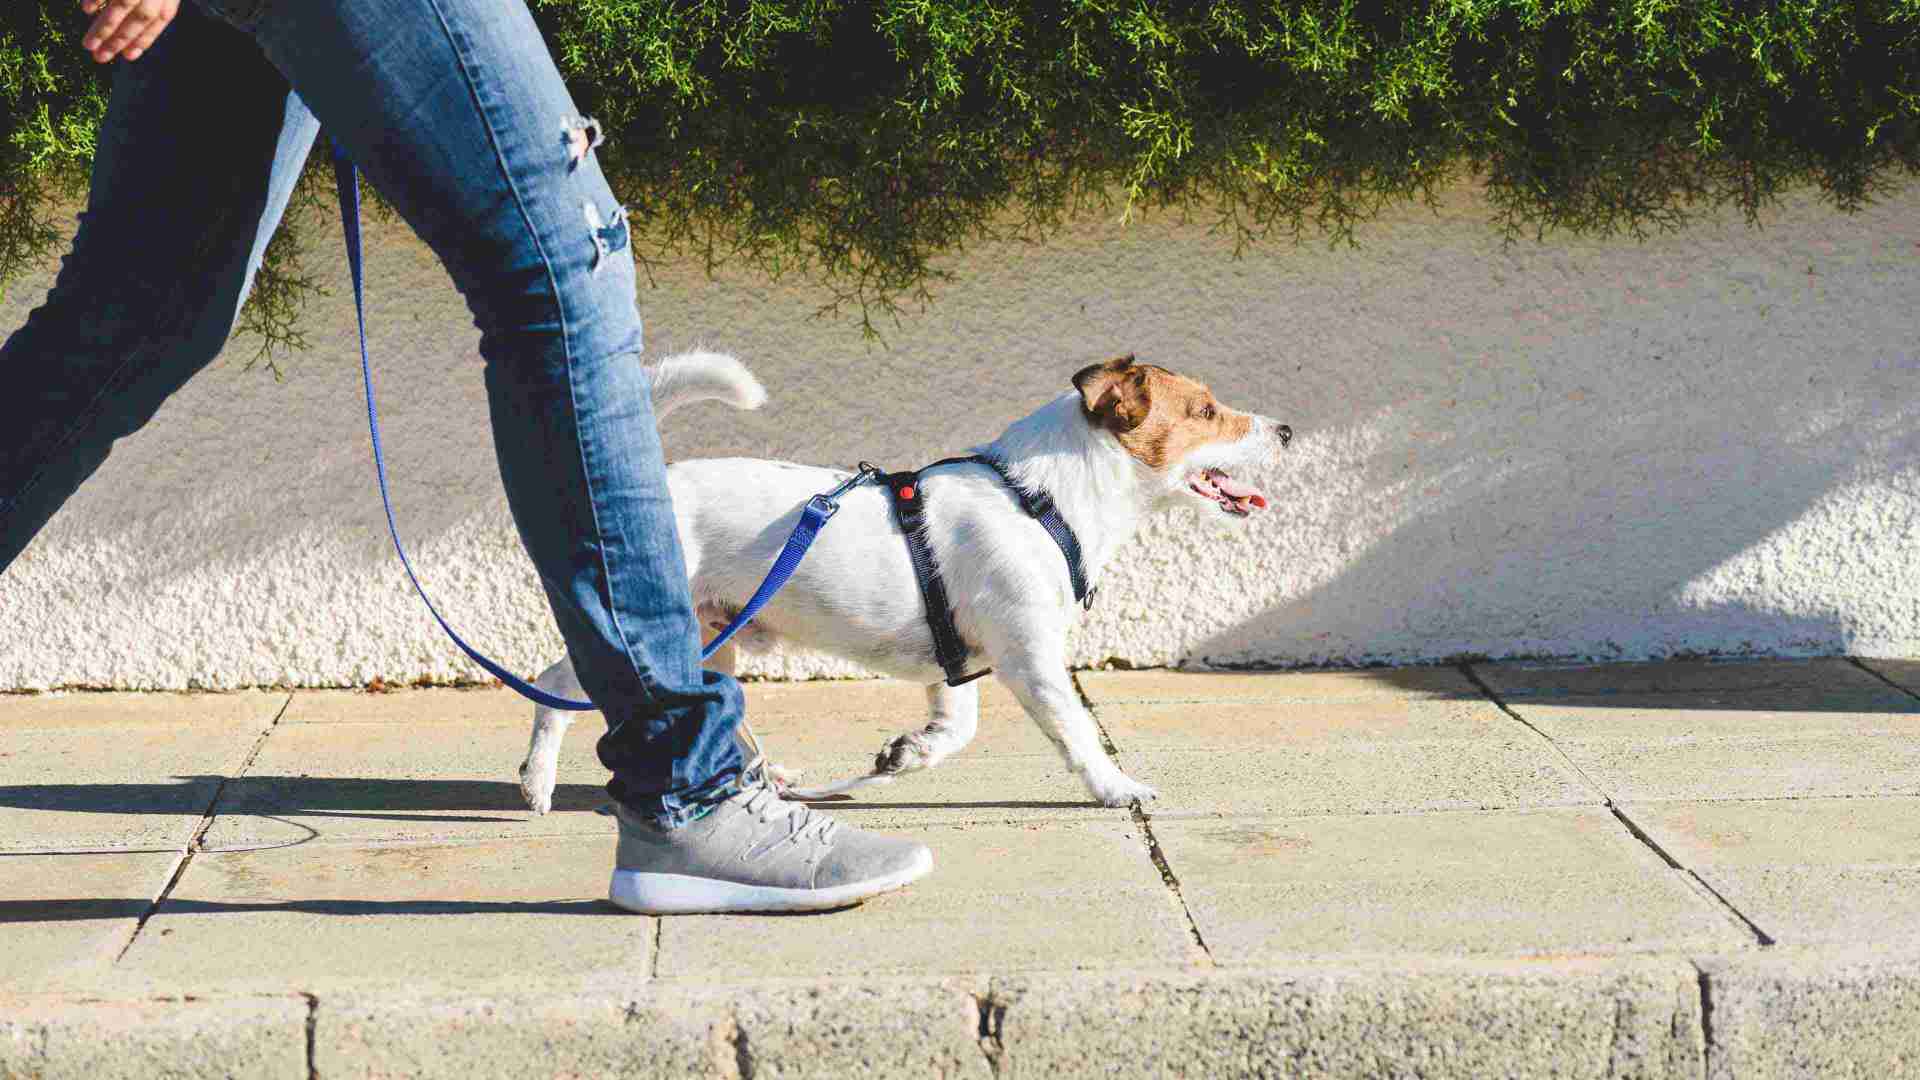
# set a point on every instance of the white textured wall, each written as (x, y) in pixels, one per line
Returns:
(1704, 442)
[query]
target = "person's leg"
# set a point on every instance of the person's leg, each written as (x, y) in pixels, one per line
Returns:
(189, 181)
(454, 110)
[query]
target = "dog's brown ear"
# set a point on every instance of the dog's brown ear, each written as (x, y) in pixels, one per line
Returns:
(1114, 393)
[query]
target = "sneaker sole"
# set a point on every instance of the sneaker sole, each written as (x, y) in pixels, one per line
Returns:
(682, 894)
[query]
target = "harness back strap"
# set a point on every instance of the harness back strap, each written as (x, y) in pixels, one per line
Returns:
(909, 510)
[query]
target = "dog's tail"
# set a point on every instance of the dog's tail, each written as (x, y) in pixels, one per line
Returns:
(703, 376)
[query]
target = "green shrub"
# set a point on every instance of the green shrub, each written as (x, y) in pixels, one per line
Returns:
(857, 141)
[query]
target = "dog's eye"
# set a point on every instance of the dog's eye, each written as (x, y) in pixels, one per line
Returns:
(1208, 412)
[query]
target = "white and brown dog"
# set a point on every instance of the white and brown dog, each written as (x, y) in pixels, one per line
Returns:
(1130, 439)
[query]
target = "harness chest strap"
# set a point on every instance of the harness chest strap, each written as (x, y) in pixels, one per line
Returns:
(909, 510)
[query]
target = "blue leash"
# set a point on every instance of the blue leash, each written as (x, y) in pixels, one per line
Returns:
(813, 517)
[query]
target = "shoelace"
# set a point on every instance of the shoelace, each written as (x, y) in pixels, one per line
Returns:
(758, 795)
(758, 792)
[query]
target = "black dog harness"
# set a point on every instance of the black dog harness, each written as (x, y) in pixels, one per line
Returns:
(909, 509)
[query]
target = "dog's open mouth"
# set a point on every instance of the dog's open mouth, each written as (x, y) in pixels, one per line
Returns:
(1233, 496)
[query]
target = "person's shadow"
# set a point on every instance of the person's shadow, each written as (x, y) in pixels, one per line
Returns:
(370, 798)
(84, 909)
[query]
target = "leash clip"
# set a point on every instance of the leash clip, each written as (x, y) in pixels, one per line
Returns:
(828, 503)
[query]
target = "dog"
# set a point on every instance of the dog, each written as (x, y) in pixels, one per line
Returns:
(1129, 439)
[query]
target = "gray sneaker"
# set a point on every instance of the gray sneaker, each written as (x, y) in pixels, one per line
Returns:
(755, 852)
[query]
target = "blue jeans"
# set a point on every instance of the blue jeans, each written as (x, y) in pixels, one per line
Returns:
(455, 111)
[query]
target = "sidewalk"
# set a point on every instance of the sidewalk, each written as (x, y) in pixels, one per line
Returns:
(1678, 869)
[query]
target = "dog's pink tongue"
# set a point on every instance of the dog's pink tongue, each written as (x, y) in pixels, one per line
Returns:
(1239, 492)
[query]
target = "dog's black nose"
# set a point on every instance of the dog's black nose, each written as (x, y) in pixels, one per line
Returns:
(1285, 432)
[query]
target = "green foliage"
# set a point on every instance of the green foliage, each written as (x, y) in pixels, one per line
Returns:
(857, 141)
(50, 106)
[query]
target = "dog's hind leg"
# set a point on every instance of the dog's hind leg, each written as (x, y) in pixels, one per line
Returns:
(953, 715)
(538, 772)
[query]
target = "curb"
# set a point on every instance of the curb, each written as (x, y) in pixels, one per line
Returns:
(1807, 1013)
(1785, 1013)
(1625, 1017)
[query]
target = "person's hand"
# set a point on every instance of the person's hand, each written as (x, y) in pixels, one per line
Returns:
(125, 28)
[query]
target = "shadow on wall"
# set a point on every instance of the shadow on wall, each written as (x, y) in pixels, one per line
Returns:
(1661, 514)
(1582, 448)
(1703, 445)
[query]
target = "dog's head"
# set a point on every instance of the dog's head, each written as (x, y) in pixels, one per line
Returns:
(1186, 441)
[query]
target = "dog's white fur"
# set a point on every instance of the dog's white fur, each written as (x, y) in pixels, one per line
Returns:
(855, 595)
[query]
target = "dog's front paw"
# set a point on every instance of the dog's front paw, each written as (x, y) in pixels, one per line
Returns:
(1121, 790)
(903, 754)
(782, 777)
(536, 786)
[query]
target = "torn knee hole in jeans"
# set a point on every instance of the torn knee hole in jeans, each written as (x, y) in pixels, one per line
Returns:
(608, 236)
(582, 135)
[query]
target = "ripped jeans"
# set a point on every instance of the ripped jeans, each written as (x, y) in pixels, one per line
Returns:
(455, 111)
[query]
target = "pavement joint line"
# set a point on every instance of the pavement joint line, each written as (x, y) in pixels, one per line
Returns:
(1863, 666)
(1144, 822)
(313, 1022)
(1703, 984)
(653, 960)
(993, 1018)
(1699, 884)
(1692, 879)
(1473, 677)
(200, 831)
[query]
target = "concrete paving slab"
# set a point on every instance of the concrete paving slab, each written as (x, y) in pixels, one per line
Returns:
(119, 772)
(1259, 725)
(80, 710)
(409, 705)
(1684, 769)
(442, 777)
(63, 918)
(1778, 678)
(241, 1039)
(857, 737)
(1680, 717)
(1358, 778)
(1804, 870)
(1009, 772)
(1563, 1018)
(1543, 881)
(1372, 684)
(874, 1028)
(1817, 1015)
(488, 914)
(1001, 898)
(963, 790)
(1785, 832)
